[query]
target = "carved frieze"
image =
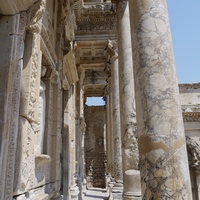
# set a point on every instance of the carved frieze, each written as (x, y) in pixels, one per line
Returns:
(191, 116)
(31, 77)
(96, 23)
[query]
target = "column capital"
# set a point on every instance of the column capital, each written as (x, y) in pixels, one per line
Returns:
(111, 49)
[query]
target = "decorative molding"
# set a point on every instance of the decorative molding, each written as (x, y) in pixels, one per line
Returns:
(47, 48)
(189, 86)
(96, 23)
(191, 116)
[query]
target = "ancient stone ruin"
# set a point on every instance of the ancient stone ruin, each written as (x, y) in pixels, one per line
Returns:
(143, 143)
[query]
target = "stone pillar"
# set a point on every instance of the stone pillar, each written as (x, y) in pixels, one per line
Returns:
(162, 150)
(108, 148)
(72, 140)
(65, 148)
(111, 128)
(82, 128)
(127, 104)
(115, 112)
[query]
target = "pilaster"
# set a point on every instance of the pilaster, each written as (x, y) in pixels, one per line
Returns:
(12, 31)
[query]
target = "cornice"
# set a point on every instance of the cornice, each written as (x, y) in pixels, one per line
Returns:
(189, 85)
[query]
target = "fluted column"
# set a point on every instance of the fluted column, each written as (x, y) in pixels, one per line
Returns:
(162, 149)
(127, 104)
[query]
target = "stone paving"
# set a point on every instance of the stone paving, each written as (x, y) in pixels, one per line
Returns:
(96, 194)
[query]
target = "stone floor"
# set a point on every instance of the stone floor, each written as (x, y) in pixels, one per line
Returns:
(96, 194)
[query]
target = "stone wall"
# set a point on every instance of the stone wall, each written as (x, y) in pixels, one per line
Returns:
(95, 146)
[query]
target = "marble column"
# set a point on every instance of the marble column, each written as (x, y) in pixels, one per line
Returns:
(127, 104)
(111, 129)
(117, 164)
(74, 191)
(108, 149)
(162, 150)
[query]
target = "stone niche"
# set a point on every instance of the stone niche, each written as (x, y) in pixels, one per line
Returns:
(95, 146)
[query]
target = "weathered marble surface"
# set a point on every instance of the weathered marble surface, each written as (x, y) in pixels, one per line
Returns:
(127, 97)
(11, 64)
(163, 156)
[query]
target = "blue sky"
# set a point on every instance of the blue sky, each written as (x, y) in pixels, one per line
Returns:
(184, 18)
(185, 27)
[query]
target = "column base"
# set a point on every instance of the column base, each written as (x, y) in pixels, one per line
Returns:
(132, 196)
(117, 187)
(132, 186)
(74, 191)
(117, 190)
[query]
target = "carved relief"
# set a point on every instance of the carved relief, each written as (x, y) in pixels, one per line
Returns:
(38, 126)
(194, 152)
(24, 170)
(31, 78)
(96, 23)
(12, 44)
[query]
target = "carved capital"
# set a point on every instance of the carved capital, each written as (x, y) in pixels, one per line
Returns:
(112, 48)
(55, 79)
(36, 15)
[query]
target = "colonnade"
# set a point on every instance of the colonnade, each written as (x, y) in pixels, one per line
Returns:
(146, 148)
(155, 144)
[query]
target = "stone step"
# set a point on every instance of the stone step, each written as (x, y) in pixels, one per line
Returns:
(96, 194)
